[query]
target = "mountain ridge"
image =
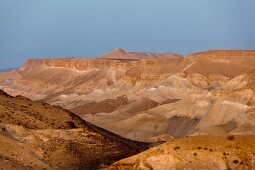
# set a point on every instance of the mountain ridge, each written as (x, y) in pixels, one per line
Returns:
(122, 54)
(184, 93)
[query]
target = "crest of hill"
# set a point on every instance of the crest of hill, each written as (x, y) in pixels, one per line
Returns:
(120, 54)
(230, 63)
(223, 54)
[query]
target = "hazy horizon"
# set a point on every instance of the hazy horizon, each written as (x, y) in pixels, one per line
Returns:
(61, 28)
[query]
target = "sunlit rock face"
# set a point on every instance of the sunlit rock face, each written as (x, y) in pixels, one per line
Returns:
(206, 152)
(145, 95)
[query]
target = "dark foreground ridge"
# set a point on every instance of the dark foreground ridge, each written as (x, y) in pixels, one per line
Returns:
(38, 135)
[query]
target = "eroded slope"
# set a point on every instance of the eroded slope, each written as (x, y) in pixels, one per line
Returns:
(34, 135)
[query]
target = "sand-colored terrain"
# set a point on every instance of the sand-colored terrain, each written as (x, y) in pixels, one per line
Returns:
(204, 152)
(35, 135)
(144, 95)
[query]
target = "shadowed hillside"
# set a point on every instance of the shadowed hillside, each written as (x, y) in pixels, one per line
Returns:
(37, 135)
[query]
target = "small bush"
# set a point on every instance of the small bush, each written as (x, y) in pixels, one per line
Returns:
(177, 147)
(225, 154)
(230, 137)
(235, 161)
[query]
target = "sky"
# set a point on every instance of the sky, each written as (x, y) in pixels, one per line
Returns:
(89, 28)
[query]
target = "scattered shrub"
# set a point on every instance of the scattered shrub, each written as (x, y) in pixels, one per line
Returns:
(225, 154)
(70, 124)
(231, 137)
(177, 147)
(235, 161)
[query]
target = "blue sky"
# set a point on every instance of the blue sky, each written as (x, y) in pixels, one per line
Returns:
(89, 28)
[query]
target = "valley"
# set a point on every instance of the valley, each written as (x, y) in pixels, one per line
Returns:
(191, 111)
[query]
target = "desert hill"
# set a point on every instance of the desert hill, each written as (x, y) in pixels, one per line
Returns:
(35, 135)
(120, 54)
(205, 152)
(207, 93)
(229, 63)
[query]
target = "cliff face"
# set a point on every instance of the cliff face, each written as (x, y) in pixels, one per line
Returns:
(230, 63)
(224, 54)
(227, 63)
(78, 64)
(204, 93)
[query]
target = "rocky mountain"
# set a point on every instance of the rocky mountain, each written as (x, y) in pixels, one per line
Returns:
(120, 54)
(232, 152)
(35, 135)
(144, 96)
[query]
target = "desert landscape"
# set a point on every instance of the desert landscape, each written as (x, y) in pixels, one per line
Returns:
(127, 85)
(201, 105)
